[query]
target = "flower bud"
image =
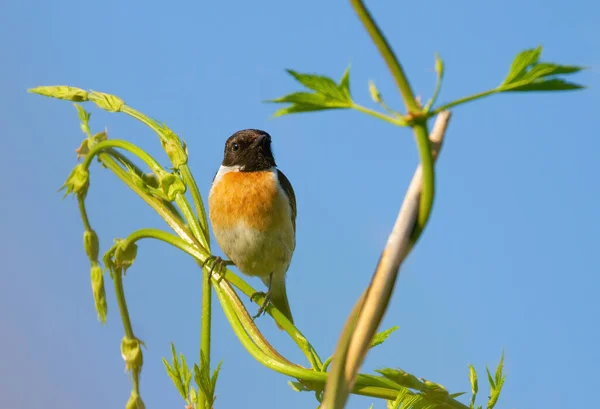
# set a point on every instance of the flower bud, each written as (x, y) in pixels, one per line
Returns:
(125, 256)
(61, 92)
(375, 95)
(171, 185)
(78, 181)
(98, 291)
(176, 152)
(439, 65)
(107, 102)
(131, 351)
(90, 244)
(135, 401)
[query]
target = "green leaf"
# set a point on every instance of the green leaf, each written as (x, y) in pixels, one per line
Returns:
(323, 85)
(435, 393)
(521, 62)
(499, 376)
(380, 337)
(555, 84)
(345, 82)
(297, 386)
(499, 383)
(61, 92)
(186, 374)
(298, 108)
(174, 375)
(396, 403)
(325, 94)
(473, 379)
(401, 377)
(213, 379)
(547, 69)
(528, 74)
(490, 379)
(456, 395)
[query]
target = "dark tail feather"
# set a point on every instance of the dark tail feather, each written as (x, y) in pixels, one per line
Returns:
(279, 297)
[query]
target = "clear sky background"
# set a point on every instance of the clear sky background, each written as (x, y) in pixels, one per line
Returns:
(509, 259)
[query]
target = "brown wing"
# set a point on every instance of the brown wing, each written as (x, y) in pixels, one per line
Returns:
(289, 191)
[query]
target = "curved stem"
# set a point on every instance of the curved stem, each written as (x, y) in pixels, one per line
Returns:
(201, 255)
(120, 293)
(388, 55)
(157, 204)
(365, 384)
(83, 212)
(189, 180)
(128, 146)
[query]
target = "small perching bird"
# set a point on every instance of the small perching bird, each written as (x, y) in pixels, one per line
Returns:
(252, 209)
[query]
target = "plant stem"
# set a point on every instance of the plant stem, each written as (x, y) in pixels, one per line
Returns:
(83, 212)
(120, 293)
(206, 321)
(394, 120)
(189, 180)
(428, 190)
(388, 55)
(128, 146)
(172, 220)
(365, 385)
(461, 101)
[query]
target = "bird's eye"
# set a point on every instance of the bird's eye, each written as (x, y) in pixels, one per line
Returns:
(235, 147)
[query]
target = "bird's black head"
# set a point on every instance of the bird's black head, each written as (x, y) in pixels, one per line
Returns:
(250, 149)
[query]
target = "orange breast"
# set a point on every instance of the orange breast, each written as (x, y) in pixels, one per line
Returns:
(249, 197)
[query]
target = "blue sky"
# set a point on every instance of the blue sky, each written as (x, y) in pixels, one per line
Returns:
(507, 260)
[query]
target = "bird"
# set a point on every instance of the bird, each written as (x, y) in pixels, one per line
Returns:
(252, 209)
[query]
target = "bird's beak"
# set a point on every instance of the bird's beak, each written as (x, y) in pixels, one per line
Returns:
(260, 139)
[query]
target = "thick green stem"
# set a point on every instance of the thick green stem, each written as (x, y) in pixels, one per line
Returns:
(128, 146)
(83, 212)
(206, 321)
(191, 218)
(190, 182)
(120, 294)
(388, 55)
(428, 190)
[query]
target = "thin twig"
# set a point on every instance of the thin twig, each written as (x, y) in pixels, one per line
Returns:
(379, 292)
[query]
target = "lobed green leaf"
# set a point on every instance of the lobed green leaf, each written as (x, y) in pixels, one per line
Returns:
(380, 337)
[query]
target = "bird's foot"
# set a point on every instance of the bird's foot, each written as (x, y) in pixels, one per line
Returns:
(266, 301)
(217, 266)
(265, 304)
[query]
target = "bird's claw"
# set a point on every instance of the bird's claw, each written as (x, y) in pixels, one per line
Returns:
(217, 266)
(265, 304)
